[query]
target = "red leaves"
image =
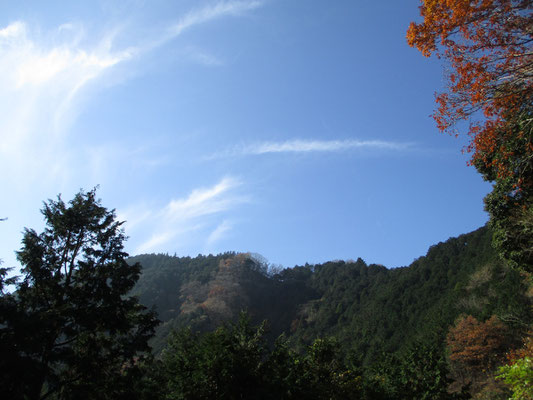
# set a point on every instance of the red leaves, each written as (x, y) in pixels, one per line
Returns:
(489, 45)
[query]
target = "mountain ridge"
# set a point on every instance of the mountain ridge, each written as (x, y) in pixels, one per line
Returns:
(369, 309)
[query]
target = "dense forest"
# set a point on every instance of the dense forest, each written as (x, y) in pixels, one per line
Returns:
(368, 307)
(374, 315)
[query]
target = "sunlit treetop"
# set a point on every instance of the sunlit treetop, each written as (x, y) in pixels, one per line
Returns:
(489, 47)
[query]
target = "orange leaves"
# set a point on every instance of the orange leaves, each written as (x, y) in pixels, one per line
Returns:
(489, 46)
(474, 344)
(481, 39)
(525, 351)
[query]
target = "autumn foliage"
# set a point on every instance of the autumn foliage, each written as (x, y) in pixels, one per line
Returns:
(525, 351)
(477, 345)
(488, 46)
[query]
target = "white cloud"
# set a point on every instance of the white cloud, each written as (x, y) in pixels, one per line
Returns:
(39, 68)
(308, 146)
(223, 8)
(185, 216)
(134, 216)
(43, 76)
(203, 58)
(218, 233)
(13, 30)
(155, 242)
(201, 202)
(33, 59)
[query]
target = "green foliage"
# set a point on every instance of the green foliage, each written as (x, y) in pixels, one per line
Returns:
(224, 364)
(418, 372)
(519, 376)
(175, 287)
(4, 280)
(235, 362)
(72, 331)
(510, 204)
(8, 340)
(162, 275)
(371, 309)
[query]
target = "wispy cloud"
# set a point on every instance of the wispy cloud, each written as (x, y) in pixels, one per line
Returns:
(44, 75)
(29, 60)
(309, 146)
(41, 75)
(218, 233)
(203, 58)
(189, 215)
(201, 202)
(211, 12)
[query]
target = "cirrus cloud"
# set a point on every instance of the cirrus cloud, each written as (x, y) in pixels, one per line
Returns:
(312, 146)
(197, 213)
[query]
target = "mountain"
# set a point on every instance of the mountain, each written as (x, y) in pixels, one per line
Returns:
(369, 309)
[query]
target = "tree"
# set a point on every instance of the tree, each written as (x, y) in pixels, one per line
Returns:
(489, 47)
(224, 364)
(518, 374)
(235, 362)
(75, 333)
(488, 44)
(419, 372)
(510, 204)
(8, 311)
(475, 344)
(476, 348)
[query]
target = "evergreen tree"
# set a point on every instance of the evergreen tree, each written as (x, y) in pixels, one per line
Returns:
(71, 329)
(235, 362)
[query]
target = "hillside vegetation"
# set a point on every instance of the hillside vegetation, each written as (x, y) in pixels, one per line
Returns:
(452, 325)
(376, 316)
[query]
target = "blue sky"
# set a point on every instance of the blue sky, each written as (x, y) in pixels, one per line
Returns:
(296, 129)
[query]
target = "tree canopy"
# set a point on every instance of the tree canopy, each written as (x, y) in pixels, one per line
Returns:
(72, 329)
(488, 44)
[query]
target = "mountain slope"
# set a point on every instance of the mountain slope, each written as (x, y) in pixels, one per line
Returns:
(370, 309)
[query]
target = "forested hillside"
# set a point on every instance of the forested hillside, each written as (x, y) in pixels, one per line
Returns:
(235, 327)
(369, 309)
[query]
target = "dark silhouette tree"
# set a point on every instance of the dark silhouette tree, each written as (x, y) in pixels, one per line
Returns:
(71, 329)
